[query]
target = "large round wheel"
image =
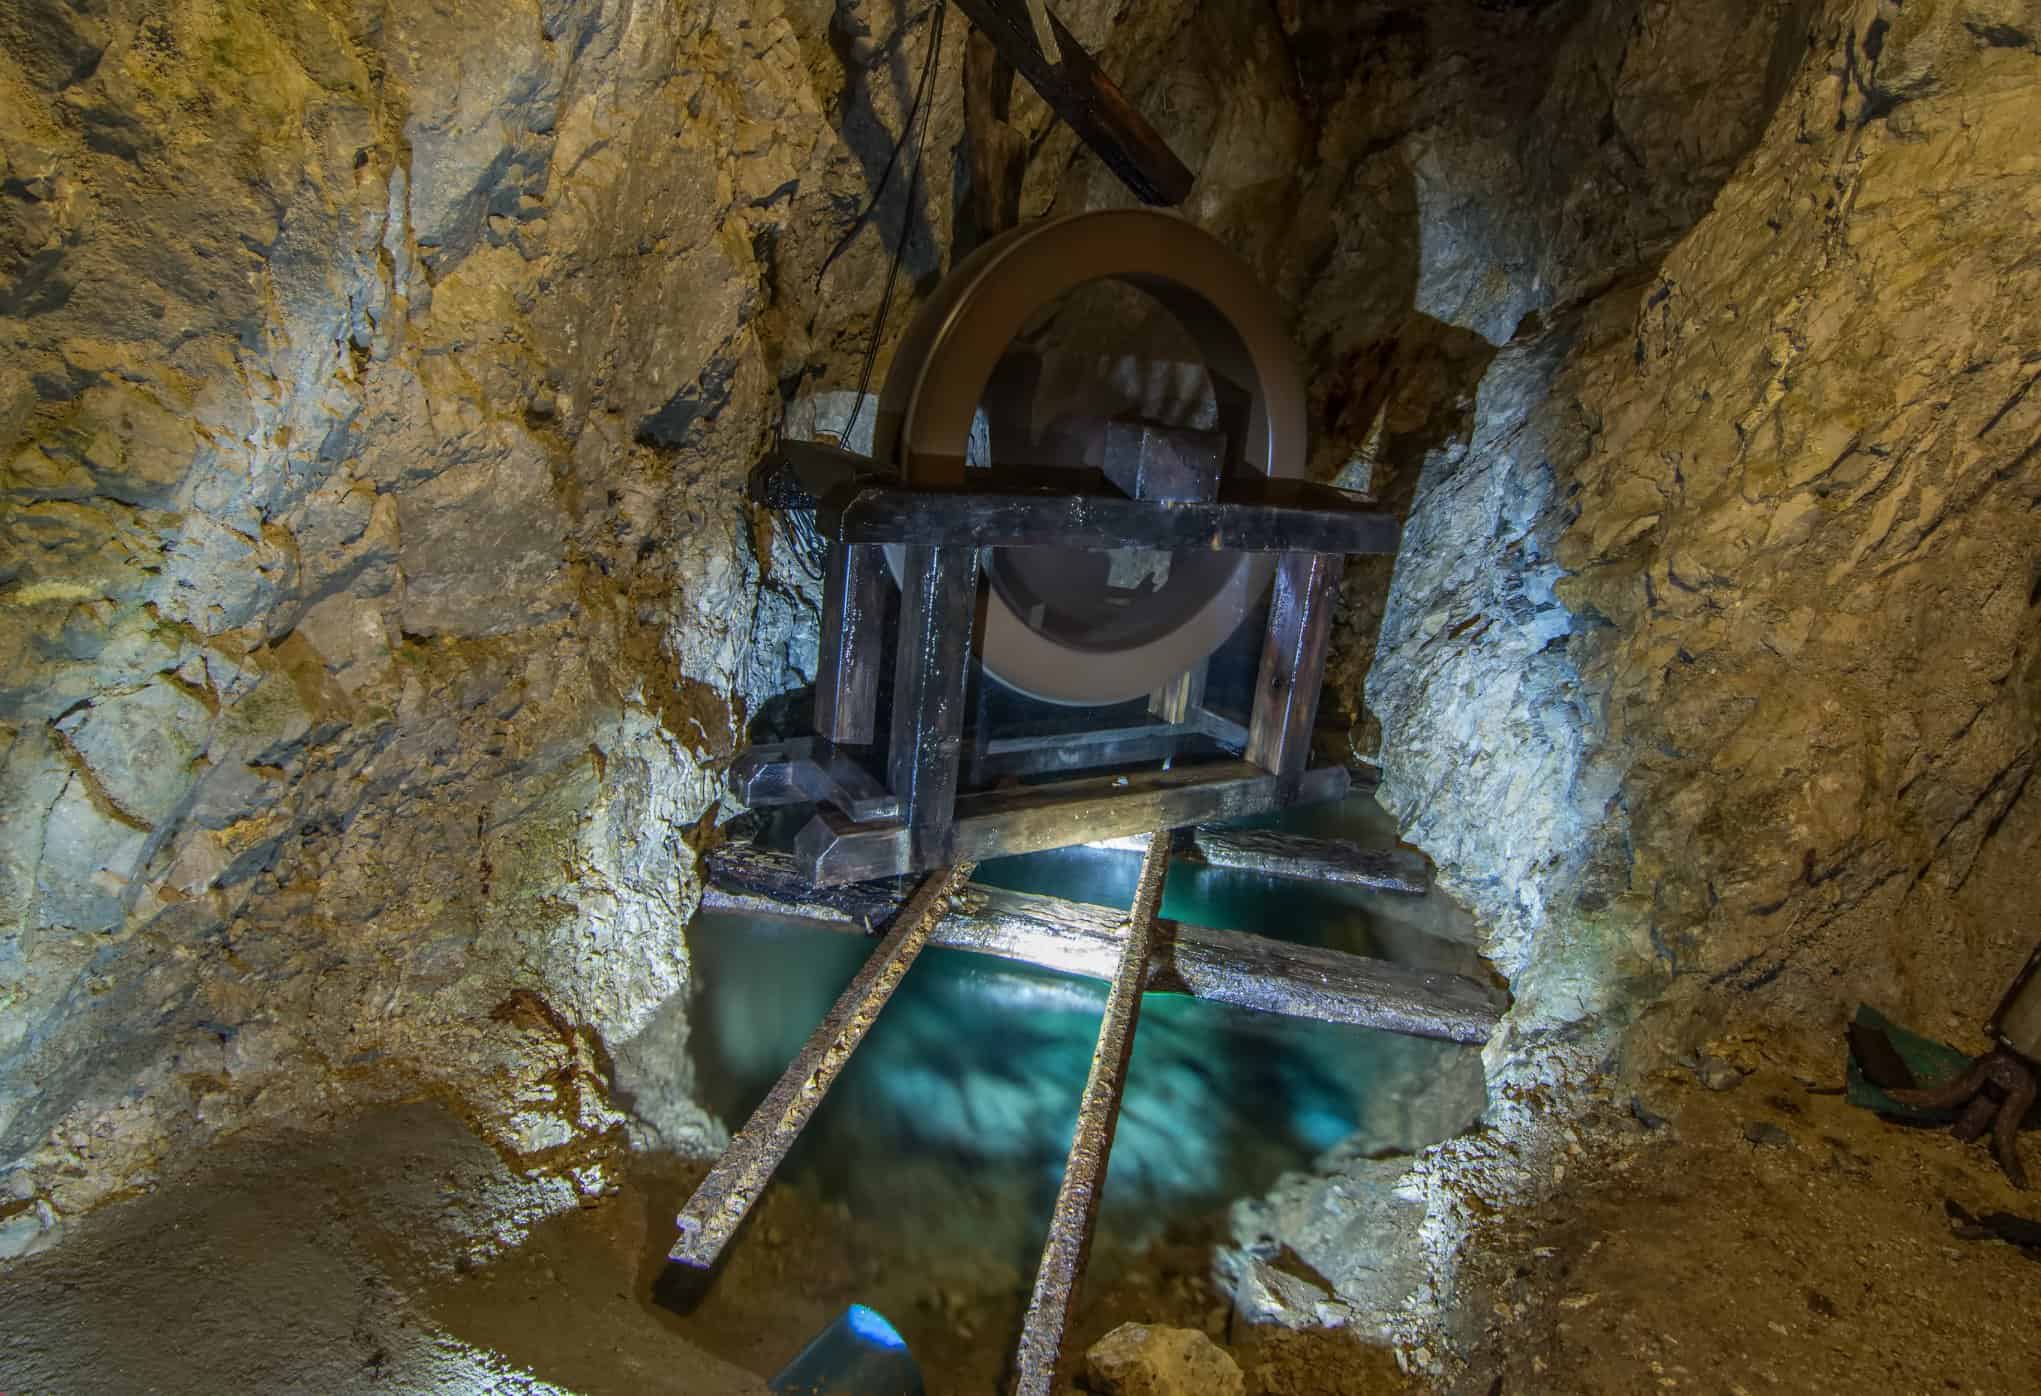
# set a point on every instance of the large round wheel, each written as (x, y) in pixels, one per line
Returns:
(939, 377)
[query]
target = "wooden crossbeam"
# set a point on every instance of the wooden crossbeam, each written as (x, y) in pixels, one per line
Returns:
(835, 849)
(1273, 853)
(1284, 516)
(1248, 971)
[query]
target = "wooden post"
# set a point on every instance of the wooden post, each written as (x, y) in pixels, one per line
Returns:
(999, 152)
(1292, 666)
(938, 605)
(847, 657)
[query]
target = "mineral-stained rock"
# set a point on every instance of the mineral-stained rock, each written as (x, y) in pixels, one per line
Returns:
(1139, 1359)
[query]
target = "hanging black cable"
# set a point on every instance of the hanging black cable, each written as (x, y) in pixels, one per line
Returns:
(919, 111)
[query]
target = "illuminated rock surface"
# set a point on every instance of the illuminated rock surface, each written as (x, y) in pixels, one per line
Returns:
(378, 603)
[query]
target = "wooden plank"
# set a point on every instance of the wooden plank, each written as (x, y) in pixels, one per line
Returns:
(833, 849)
(1245, 518)
(1077, 938)
(938, 604)
(1076, 90)
(1273, 853)
(847, 653)
(1293, 664)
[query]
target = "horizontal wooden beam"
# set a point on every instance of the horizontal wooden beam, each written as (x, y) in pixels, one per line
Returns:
(1026, 819)
(1272, 853)
(1255, 517)
(1248, 971)
(1071, 82)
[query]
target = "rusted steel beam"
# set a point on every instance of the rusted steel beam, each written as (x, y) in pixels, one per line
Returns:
(1249, 971)
(1275, 854)
(1071, 82)
(1091, 1144)
(718, 1207)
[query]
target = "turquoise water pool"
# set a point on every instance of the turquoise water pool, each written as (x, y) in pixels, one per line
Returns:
(973, 1072)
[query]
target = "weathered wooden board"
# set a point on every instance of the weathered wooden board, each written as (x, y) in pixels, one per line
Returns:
(1077, 938)
(1273, 853)
(1025, 819)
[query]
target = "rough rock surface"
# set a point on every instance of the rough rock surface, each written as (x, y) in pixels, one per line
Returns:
(1726, 610)
(378, 595)
(1140, 1359)
(380, 601)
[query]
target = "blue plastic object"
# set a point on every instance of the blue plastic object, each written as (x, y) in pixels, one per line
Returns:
(858, 1355)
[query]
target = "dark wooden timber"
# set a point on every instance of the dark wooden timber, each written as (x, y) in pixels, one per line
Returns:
(999, 151)
(847, 654)
(1078, 938)
(810, 768)
(1246, 517)
(1086, 98)
(938, 604)
(1293, 664)
(834, 849)
(1275, 854)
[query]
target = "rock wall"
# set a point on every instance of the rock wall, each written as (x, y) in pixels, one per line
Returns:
(1706, 670)
(380, 600)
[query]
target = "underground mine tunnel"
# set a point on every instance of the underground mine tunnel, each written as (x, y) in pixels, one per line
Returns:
(1256, 697)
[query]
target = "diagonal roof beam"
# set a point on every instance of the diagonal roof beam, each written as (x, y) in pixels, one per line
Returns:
(1077, 90)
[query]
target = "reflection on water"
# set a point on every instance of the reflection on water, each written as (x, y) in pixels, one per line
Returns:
(956, 1112)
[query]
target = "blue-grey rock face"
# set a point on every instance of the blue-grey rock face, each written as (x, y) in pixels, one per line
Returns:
(1488, 734)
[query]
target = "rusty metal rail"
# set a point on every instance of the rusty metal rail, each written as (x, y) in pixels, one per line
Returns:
(719, 1206)
(1098, 1117)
